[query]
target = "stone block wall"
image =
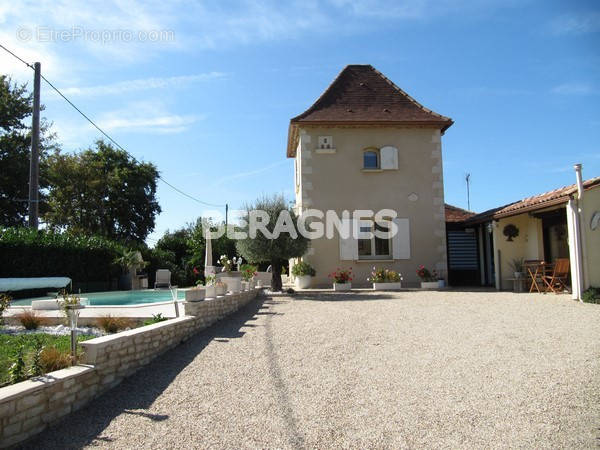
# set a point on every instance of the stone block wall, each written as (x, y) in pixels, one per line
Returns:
(28, 407)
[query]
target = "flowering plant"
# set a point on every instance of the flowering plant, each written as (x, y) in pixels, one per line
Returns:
(229, 263)
(341, 275)
(384, 276)
(425, 275)
(248, 271)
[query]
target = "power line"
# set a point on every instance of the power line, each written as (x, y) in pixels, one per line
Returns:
(108, 136)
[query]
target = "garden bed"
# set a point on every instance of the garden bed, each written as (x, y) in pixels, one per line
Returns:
(53, 360)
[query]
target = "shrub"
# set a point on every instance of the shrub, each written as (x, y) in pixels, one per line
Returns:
(425, 275)
(16, 372)
(52, 359)
(112, 324)
(25, 252)
(591, 295)
(30, 320)
(303, 268)
(384, 276)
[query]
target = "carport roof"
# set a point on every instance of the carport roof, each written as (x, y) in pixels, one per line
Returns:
(545, 200)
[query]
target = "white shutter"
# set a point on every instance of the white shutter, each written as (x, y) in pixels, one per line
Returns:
(389, 157)
(401, 240)
(349, 246)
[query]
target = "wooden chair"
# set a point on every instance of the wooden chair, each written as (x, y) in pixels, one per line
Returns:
(557, 281)
(534, 274)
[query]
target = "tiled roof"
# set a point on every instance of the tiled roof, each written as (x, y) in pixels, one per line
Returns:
(547, 199)
(456, 214)
(361, 95)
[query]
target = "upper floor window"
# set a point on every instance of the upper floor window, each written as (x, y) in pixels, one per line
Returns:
(371, 159)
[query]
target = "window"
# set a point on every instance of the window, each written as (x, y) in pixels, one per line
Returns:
(371, 159)
(325, 142)
(374, 247)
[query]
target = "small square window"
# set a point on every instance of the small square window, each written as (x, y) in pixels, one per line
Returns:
(325, 142)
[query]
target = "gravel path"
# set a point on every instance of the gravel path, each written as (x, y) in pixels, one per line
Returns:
(363, 370)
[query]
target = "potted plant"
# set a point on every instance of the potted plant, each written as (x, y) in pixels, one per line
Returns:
(220, 287)
(233, 279)
(210, 289)
(248, 272)
(516, 264)
(342, 279)
(303, 273)
(385, 279)
(428, 280)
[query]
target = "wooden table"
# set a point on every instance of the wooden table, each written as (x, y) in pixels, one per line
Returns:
(535, 272)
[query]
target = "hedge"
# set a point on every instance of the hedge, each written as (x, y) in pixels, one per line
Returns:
(85, 259)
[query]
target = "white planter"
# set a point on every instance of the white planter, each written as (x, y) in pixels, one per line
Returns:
(245, 285)
(441, 284)
(303, 281)
(342, 286)
(194, 294)
(429, 284)
(387, 286)
(234, 284)
(221, 289)
(210, 291)
(252, 283)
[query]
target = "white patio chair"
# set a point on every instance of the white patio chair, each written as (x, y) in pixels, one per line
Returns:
(163, 279)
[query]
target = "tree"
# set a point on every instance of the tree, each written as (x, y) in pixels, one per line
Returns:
(275, 249)
(15, 150)
(103, 191)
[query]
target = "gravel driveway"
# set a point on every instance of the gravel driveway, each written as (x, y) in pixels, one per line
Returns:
(363, 370)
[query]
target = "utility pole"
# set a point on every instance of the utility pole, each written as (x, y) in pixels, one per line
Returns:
(34, 165)
(226, 215)
(468, 179)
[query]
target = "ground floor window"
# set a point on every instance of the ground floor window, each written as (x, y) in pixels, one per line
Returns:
(374, 247)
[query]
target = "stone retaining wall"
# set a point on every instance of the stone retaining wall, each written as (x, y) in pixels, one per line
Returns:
(28, 407)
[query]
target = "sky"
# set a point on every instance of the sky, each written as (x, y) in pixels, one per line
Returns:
(205, 89)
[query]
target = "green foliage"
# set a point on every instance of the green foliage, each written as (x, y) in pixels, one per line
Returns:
(16, 371)
(276, 251)
(516, 264)
(29, 253)
(591, 295)
(55, 354)
(302, 269)
(155, 319)
(102, 191)
(15, 149)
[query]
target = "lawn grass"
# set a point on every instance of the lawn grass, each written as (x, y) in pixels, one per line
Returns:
(10, 344)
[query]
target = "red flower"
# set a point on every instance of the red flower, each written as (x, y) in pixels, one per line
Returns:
(196, 271)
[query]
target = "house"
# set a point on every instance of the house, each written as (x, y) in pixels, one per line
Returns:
(365, 144)
(562, 223)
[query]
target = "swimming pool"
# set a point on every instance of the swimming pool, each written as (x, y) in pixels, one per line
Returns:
(116, 298)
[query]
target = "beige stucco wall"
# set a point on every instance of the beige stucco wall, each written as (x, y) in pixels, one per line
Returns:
(528, 245)
(591, 204)
(336, 182)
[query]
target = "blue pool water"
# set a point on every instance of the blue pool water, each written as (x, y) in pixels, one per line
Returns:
(117, 298)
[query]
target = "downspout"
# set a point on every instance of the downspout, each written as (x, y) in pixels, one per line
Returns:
(582, 237)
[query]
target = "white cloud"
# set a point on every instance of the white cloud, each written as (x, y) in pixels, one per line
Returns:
(576, 24)
(140, 84)
(575, 89)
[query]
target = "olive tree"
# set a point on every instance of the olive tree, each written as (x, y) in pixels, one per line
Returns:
(281, 240)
